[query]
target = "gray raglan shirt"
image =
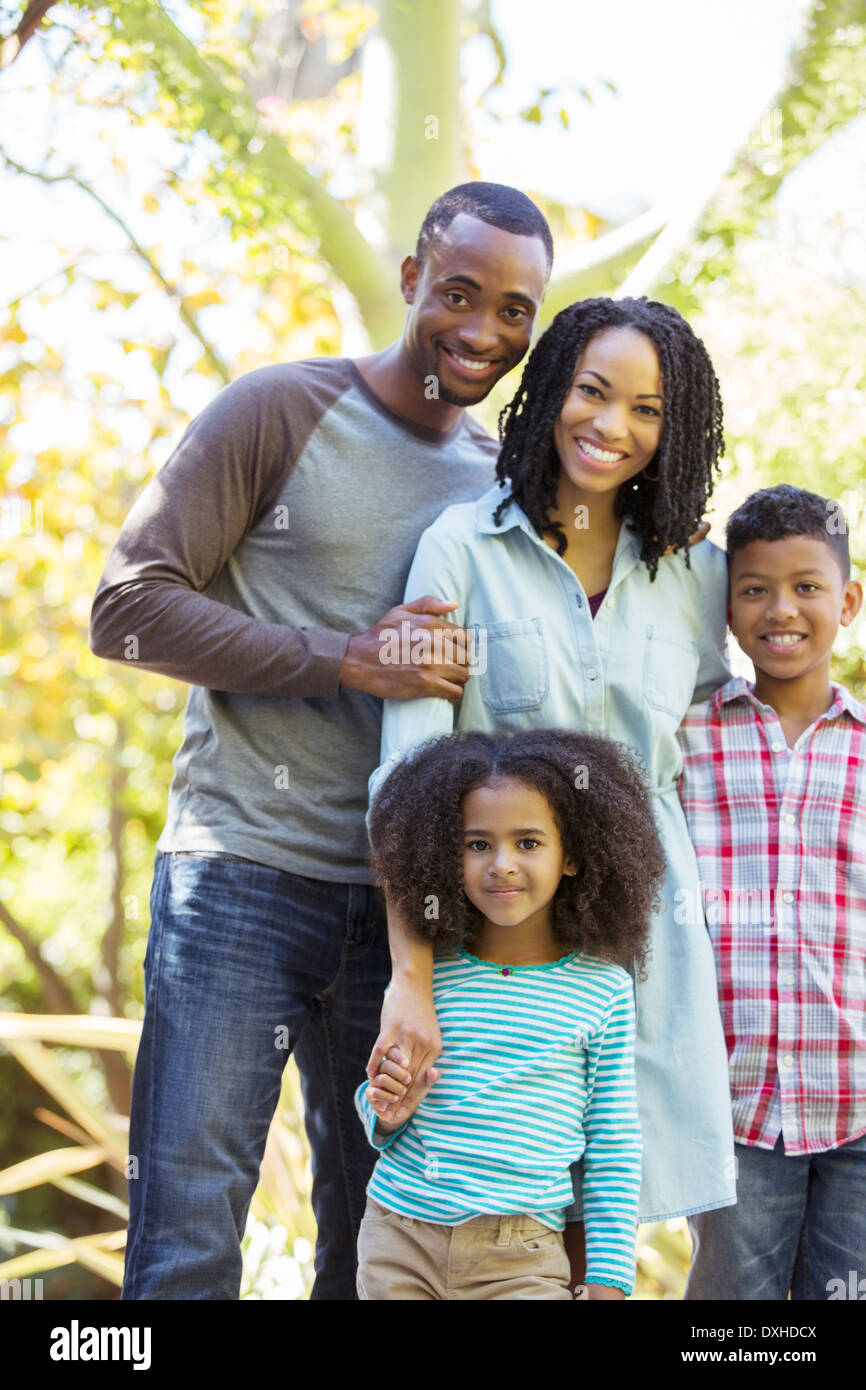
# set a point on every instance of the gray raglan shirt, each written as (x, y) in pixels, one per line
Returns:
(284, 522)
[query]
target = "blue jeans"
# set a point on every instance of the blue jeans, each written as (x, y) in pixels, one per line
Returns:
(799, 1224)
(242, 959)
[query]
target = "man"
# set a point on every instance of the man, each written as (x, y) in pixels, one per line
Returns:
(257, 566)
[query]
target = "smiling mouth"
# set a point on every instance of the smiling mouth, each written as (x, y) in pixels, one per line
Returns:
(606, 457)
(783, 641)
(478, 367)
(504, 892)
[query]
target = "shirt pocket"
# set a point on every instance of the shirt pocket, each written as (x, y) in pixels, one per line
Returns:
(669, 673)
(516, 675)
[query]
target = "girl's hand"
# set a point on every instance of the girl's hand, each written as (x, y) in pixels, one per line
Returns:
(409, 1038)
(387, 1088)
(598, 1293)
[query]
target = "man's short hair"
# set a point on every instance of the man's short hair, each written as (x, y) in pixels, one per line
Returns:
(494, 203)
(777, 512)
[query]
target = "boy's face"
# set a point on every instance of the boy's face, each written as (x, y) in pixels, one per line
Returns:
(787, 602)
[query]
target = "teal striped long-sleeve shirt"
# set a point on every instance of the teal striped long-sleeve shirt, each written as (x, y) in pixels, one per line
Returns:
(537, 1071)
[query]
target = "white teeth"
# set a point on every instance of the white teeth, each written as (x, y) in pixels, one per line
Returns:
(473, 366)
(600, 455)
(783, 639)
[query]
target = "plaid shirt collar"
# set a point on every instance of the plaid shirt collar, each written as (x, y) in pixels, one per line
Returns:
(739, 688)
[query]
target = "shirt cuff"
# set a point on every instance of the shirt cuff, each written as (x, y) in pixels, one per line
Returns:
(326, 650)
(610, 1280)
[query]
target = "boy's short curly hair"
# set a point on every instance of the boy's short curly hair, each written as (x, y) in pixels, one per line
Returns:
(777, 512)
(602, 810)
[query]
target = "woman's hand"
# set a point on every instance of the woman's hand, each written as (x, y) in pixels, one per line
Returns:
(695, 538)
(409, 1038)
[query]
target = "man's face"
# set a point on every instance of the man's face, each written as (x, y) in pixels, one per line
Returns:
(472, 305)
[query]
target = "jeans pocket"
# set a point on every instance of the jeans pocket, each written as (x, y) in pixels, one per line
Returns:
(158, 891)
(544, 1240)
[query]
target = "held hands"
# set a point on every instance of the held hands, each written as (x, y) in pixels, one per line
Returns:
(387, 1092)
(409, 1043)
(398, 662)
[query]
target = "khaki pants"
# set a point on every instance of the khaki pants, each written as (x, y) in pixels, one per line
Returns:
(487, 1257)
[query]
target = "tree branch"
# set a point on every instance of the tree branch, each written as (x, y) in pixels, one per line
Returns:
(673, 237)
(598, 267)
(28, 24)
(172, 290)
(230, 118)
(58, 996)
(418, 104)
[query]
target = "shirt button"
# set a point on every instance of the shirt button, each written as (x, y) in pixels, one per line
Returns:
(592, 674)
(787, 897)
(789, 820)
(788, 1059)
(776, 746)
(787, 977)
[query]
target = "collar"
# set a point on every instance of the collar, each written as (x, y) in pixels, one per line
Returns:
(739, 688)
(627, 551)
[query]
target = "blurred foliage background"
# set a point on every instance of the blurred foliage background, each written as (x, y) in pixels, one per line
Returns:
(245, 178)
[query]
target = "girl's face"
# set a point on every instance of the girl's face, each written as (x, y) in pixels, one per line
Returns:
(611, 422)
(513, 858)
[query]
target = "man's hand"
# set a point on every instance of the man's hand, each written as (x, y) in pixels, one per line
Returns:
(388, 1087)
(409, 1038)
(398, 662)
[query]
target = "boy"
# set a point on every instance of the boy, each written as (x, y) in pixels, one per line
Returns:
(774, 792)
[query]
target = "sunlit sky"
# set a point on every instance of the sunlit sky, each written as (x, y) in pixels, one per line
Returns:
(692, 78)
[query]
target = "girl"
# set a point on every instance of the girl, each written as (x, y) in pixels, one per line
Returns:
(584, 616)
(539, 851)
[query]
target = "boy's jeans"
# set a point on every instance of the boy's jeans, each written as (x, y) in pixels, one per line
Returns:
(799, 1223)
(244, 964)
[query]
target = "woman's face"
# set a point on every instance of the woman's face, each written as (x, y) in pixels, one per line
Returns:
(611, 422)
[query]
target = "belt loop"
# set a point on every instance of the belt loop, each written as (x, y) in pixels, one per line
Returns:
(504, 1237)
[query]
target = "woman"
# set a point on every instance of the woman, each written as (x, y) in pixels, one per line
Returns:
(591, 612)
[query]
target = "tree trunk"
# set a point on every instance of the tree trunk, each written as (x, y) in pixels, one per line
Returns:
(414, 60)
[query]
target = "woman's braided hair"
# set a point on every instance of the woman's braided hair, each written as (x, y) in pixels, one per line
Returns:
(664, 508)
(599, 803)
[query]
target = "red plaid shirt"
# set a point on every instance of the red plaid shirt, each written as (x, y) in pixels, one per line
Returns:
(780, 838)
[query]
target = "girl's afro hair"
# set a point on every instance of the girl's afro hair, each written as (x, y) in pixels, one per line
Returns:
(602, 810)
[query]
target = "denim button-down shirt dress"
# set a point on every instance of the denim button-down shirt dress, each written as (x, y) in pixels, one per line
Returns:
(630, 673)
